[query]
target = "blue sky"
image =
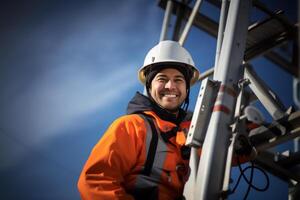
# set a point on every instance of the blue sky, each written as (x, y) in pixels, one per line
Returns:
(68, 69)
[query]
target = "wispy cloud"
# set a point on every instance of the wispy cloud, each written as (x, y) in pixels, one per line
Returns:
(74, 63)
(56, 103)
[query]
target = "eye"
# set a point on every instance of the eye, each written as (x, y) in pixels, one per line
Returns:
(178, 80)
(162, 79)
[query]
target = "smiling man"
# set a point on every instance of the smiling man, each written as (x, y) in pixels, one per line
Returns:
(143, 155)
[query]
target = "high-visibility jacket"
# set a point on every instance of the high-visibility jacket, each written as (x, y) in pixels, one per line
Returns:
(113, 169)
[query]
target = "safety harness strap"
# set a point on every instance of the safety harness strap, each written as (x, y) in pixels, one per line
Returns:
(152, 148)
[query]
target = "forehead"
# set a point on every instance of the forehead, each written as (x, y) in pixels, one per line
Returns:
(170, 72)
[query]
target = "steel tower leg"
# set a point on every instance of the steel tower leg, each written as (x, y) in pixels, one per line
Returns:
(211, 169)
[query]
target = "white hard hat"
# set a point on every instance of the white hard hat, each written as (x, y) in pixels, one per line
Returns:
(168, 52)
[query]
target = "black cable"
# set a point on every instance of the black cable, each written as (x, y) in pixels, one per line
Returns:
(251, 179)
(246, 179)
(249, 182)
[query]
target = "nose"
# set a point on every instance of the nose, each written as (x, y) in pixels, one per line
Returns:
(170, 85)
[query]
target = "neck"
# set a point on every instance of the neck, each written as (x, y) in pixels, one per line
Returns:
(170, 115)
(174, 112)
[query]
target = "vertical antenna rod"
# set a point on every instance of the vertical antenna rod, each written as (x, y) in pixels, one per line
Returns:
(164, 29)
(189, 23)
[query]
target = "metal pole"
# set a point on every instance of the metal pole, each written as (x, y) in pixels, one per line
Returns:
(189, 23)
(223, 16)
(270, 101)
(164, 29)
(236, 131)
(189, 187)
(206, 74)
(212, 162)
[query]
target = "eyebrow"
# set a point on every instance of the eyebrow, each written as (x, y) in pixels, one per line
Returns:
(163, 75)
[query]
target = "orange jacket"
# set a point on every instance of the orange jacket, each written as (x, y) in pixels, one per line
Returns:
(113, 169)
(114, 164)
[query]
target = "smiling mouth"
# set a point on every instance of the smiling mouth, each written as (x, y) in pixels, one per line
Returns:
(169, 95)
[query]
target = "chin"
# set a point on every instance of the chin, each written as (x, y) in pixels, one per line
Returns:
(171, 107)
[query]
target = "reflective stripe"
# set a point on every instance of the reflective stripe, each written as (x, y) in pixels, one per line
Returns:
(148, 133)
(221, 108)
(160, 157)
(229, 90)
(148, 185)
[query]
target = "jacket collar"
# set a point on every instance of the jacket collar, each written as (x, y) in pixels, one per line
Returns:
(141, 103)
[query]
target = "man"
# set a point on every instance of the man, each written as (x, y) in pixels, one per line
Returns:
(142, 154)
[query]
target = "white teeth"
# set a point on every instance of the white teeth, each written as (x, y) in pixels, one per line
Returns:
(170, 95)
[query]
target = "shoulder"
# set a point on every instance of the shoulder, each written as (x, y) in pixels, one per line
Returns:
(130, 123)
(131, 118)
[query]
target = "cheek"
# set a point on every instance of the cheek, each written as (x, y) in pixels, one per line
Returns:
(183, 90)
(155, 88)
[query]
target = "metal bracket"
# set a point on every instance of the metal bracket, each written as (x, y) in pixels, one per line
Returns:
(206, 98)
